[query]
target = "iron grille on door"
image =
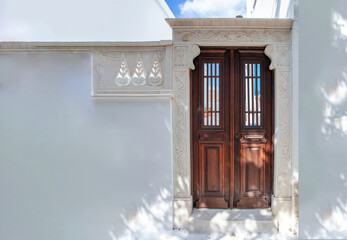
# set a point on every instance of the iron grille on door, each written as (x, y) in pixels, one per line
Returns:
(211, 94)
(253, 95)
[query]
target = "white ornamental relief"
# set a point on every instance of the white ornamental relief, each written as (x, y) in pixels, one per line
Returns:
(180, 143)
(194, 51)
(279, 56)
(283, 54)
(155, 77)
(123, 76)
(234, 36)
(99, 67)
(284, 163)
(139, 75)
(181, 56)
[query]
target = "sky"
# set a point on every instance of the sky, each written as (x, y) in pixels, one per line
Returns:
(207, 8)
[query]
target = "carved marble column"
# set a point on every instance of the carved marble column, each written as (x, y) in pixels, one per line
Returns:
(280, 56)
(183, 56)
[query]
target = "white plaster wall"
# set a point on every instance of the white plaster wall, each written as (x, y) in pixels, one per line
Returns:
(78, 20)
(77, 167)
(323, 119)
(270, 8)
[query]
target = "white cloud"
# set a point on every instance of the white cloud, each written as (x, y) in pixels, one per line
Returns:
(213, 8)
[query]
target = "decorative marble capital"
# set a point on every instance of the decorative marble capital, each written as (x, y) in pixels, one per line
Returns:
(184, 56)
(280, 56)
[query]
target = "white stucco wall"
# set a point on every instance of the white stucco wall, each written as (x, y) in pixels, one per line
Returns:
(270, 8)
(74, 166)
(323, 119)
(77, 20)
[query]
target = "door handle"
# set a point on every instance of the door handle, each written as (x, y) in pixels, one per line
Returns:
(202, 135)
(237, 136)
(253, 136)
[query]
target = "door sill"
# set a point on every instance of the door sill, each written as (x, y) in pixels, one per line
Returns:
(237, 221)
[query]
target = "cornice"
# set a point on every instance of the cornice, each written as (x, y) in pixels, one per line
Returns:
(76, 46)
(229, 23)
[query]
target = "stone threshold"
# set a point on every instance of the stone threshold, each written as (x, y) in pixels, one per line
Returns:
(232, 221)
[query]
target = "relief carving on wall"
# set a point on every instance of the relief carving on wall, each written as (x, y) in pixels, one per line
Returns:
(279, 55)
(123, 76)
(139, 74)
(252, 36)
(180, 144)
(183, 61)
(155, 77)
(184, 56)
(280, 62)
(124, 71)
(181, 56)
(284, 168)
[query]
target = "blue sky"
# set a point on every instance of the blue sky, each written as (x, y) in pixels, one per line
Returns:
(207, 8)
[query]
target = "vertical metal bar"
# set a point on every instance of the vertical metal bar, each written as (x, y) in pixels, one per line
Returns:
(205, 100)
(213, 95)
(217, 94)
(255, 95)
(259, 96)
(209, 94)
(218, 88)
(246, 95)
(259, 102)
(253, 88)
(205, 94)
(250, 88)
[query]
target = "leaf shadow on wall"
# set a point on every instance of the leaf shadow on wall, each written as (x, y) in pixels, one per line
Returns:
(324, 186)
(152, 220)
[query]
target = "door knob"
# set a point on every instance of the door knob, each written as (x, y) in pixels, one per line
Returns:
(237, 136)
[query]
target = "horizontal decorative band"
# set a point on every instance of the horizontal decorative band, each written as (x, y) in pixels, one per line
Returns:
(132, 71)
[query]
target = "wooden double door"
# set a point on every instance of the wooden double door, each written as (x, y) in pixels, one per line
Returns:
(232, 128)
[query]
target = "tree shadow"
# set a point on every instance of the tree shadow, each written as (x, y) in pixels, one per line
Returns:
(151, 220)
(323, 121)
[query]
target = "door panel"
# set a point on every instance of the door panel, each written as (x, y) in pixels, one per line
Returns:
(252, 171)
(212, 176)
(253, 131)
(211, 131)
(232, 129)
(212, 169)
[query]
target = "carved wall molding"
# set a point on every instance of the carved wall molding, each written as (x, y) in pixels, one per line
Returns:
(181, 147)
(280, 56)
(283, 165)
(132, 71)
(183, 62)
(239, 36)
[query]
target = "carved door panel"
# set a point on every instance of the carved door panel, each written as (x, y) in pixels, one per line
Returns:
(211, 130)
(253, 130)
(232, 129)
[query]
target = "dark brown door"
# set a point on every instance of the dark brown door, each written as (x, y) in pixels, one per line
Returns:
(232, 115)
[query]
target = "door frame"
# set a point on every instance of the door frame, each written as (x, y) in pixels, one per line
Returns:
(275, 36)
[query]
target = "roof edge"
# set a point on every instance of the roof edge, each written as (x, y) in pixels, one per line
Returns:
(5, 46)
(244, 23)
(163, 5)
